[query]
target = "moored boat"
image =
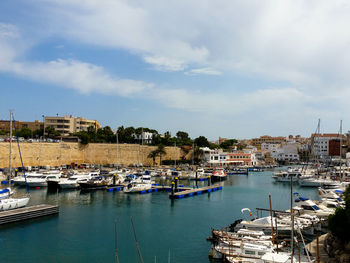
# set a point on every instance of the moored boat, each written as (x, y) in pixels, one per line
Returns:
(13, 203)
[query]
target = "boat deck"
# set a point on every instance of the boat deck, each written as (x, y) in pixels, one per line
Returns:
(25, 213)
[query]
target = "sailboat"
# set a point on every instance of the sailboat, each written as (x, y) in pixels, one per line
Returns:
(12, 203)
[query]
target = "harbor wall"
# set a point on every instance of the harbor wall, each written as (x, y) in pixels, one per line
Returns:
(55, 154)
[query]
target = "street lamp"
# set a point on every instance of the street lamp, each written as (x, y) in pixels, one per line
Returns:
(43, 127)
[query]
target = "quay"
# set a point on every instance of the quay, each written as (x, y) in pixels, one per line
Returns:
(321, 253)
(25, 213)
(197, 191)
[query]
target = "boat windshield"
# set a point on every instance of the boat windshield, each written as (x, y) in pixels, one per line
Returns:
(315, 207)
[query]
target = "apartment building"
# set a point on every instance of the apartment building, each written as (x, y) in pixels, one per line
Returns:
(327, 144)
(70, 124)
(268, 139)
(32, 125)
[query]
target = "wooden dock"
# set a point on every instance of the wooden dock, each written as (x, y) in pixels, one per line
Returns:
(155, 188)
(25, 213)
(196, 191)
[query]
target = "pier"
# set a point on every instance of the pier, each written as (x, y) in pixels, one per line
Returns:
(195, 191)
(155, 188)
(25, 213)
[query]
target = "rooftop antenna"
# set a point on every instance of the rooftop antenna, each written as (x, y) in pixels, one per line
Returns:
(137, 243)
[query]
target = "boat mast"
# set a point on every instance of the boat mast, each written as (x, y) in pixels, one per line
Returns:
(10, 157)
(175, 154)
(137, 243)
(340, 144)
(115, 244)
(292, 219)
(142, 144)
(273, 239)
(116, 134)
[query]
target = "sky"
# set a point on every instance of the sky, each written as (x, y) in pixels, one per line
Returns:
(229, 68)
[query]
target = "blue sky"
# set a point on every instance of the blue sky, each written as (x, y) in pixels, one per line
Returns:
(236, 69)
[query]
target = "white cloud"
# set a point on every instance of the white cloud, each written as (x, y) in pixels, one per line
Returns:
(80, 76)
(303, 42)
(204, 71)
(165, 64)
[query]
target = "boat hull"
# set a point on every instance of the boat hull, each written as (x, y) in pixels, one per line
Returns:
(8, 204)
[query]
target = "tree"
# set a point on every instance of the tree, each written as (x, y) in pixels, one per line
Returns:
(228, 144)
(24, 132)
(51, 132)
(339, 222)
(153, 155)
(183, 138)
(161, 151)
(197, 153)
(201, 141)
(38, 133)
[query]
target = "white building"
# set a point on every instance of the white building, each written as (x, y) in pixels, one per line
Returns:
(288, 152)
(213, 156)
(145, 137)
(320, 143)
(270, 147)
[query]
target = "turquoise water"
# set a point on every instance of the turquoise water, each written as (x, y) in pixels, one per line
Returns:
(84, 229)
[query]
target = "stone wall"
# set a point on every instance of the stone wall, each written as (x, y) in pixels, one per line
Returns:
(54, 154)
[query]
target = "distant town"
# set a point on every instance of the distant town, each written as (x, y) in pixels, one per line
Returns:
(264, 150)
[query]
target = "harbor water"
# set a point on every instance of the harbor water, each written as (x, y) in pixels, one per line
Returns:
(84, 230)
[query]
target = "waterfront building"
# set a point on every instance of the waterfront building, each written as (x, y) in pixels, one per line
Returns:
(238, 158)
(287, 152)
(69, 124)
(326, 145)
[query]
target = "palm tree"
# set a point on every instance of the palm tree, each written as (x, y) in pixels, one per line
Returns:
(197, 153)
(161, 151)
(153, 155)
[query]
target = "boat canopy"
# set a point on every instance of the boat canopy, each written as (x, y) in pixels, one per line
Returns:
(4, 191)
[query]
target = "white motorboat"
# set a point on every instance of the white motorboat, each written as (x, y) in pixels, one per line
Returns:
(311, 208)
(243, 249)
(137, 187)
(20, 180)
(73, 181)
(13, 203)
(6, 193)
(42, 180)
(283, 225)
(286, 176)
(199, 173)
(319, 182)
